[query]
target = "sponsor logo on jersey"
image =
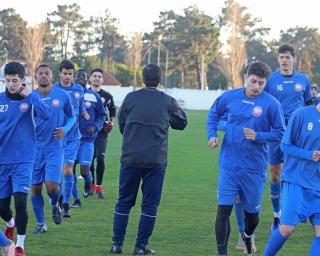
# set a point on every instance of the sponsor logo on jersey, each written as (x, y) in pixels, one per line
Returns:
(87, 104)
(257, 111)
(24, 107)
(77, 95)
(55, 103)
(298, 87)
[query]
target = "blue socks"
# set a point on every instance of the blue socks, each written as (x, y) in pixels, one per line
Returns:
(75, 192)
(67, 189)
(275, 189)
(239, 212)
(88, 178)
(275, 242)
(53, 198)
(37, 205)
(315, 247)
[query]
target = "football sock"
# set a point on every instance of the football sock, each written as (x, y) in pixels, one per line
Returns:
(37, 205)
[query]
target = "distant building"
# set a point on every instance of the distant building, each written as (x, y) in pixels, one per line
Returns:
(110, 80)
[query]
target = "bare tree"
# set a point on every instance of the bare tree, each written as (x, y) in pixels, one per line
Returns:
(134, 55)
(33, 47)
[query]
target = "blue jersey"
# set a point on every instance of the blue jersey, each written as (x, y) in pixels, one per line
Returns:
(292, 91)
(95, 109)
(301, 138)
(61, 109)
(17, 133)
(76, 94)
(263, 114)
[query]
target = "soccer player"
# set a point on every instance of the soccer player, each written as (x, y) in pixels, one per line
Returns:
(100, 144)
(50, 142)
(73, 136)
(300, 179)
(18, 107)
(254, 119)
(292, 89)
(89, 129)
(8, 246)
(314, 92)
(144, 118)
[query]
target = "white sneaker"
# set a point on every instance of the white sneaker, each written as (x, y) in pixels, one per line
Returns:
(240, 245)
(9, 250)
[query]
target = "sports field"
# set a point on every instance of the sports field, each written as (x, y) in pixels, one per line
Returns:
(185, 223)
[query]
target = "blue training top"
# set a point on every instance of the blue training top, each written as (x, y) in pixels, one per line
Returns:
(17, 132)
(263, 114)
(292, 91)
(59, 102)
(97, 113)
(301, 138)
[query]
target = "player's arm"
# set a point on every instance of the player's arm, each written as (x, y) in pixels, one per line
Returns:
(112, 110)
(39, 108)
(122, 115)
(177, 117)
(100, 114)
(307, 94)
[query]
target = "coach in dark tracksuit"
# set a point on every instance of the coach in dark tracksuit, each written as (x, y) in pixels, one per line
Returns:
(144, 118)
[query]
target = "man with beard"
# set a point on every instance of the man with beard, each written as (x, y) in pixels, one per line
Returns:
(50, 142)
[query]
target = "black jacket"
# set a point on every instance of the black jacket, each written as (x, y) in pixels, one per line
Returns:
(144, 118)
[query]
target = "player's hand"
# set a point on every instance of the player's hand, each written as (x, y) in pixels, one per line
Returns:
(58, 133)
(24, 92)
(316, 155)
(249, 134)
(213, 142)
(85, 115)
(91, 130)
(107, 127)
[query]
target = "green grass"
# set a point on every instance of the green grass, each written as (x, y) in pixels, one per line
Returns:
(185, 222)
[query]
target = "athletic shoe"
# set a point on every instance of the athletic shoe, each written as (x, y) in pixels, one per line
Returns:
(76, 204)
(9, 232)
(86, 190)
(40, 228)
(65, 211)
(56, 214)
(275, 224)
(19, 252)
(240, 245)
(93, 188)
(9, 250)
(143, 251)
(248, 245)
(116, 248)
(100, 195)
(99, 191)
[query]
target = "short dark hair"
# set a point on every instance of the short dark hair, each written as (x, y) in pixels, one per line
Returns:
(259, 69)
(42, 65)
(66, 64)
(286, 48)
(14, 68)
(97, 70)
(151, 74)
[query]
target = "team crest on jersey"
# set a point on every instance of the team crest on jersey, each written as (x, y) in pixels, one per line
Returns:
(298, 87)
(55, 103)
(24, 107)
(257, 111)
(87, 104)
(77, 95)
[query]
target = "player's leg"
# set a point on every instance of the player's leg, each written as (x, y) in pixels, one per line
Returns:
(152, 182)
(312, 205)
(129, 182)
(290, 204)
(75, 191)
(85, 156)
(239, 214)
(69, 159)
(276, 165)
(101, 144)
(5, 199)
(8, 246)
(228, 190)
(315, 246)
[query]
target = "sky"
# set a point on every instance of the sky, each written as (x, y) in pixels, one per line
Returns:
(139, 15)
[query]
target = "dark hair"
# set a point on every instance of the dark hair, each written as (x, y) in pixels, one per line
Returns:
(151, 75)
(42, 65)
(81, 70)
(259, 69)
(286, 48)
(97, 70)
(66, 64)
(14, 68)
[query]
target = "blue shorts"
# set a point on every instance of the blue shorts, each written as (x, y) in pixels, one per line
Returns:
(275, 154)
(249, 186)
(299, 204)
(85, 153)
(15, 178)
(70, 152)
(48, 165)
